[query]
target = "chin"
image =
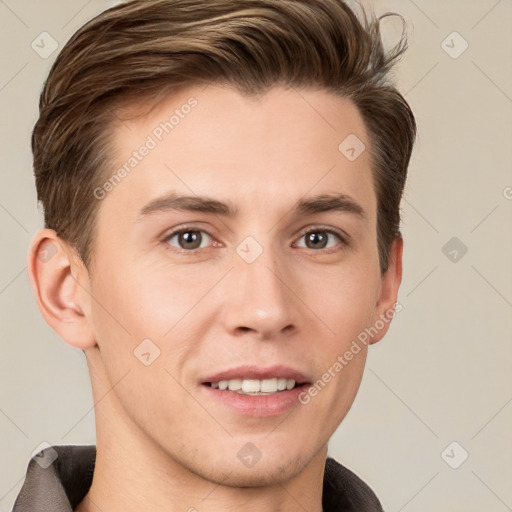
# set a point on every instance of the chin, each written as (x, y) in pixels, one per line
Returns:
(272, 470)
(259, 477)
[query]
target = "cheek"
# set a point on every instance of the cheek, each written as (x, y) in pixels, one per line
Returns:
(143, 302)
(131, 317)
(343, 299)
(348, 297)
(155, 311)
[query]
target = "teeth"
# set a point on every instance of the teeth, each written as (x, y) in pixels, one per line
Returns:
(252, 386)
(281, 384)
(235, 384)
(268, 386)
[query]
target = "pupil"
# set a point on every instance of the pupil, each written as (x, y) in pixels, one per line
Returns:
(315, 238)
(190, 238)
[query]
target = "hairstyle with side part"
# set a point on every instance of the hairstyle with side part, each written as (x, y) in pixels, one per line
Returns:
(147, 49)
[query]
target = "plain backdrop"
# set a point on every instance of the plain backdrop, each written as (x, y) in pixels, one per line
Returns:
(439, 385)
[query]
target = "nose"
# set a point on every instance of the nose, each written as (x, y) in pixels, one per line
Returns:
(260, 299)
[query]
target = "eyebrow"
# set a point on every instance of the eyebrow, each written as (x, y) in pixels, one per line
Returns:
(306, 206)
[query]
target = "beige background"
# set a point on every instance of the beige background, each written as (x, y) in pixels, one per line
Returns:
(442, 374)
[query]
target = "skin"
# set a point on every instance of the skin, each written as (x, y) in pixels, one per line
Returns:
(162, 443)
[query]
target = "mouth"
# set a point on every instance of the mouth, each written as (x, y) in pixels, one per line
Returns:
(256, 391)
(256, 387)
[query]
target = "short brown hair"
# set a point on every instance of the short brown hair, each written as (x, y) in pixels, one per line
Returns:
(144, 48)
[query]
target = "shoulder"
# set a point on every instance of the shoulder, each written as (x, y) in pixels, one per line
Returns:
(344, 490)
(57, 479)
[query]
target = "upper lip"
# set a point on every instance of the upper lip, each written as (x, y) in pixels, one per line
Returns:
(258, 373)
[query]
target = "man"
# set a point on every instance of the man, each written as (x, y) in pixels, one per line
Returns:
(221, 185)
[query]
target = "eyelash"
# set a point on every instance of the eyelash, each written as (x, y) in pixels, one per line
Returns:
(344, 239)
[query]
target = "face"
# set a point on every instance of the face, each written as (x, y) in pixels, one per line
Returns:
(272, 279)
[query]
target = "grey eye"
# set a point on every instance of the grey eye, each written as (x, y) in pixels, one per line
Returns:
(188, 239)
(319, 238)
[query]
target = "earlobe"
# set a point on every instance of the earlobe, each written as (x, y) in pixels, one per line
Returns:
(55, 279)
(391, 279)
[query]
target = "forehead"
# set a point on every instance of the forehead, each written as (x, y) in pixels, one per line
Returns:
(271, 148)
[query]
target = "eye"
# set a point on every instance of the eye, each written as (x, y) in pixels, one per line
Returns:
(188, 239)
(319, 238)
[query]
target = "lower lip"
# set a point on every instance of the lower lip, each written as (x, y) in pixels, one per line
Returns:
(257, 405)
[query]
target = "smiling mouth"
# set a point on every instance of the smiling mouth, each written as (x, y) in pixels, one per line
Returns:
(254, 387)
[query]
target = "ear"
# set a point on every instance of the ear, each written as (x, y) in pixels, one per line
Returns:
(60, 282)
(387, 299)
